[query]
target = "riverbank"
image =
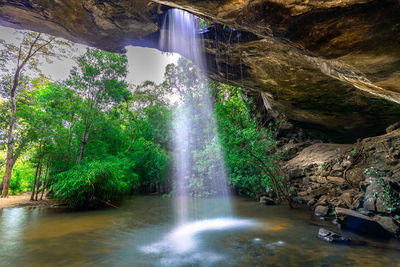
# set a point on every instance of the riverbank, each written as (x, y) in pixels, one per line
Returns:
(358, 183)
(24, 200)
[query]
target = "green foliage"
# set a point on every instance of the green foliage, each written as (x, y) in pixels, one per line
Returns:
(384, 192)
(150, 161)
(353, 152)
(81, 185)
(126, 134)
(100, 78)
(250, 150)
(204, 24)
(131, 144)
(16, 183)
(209, 163)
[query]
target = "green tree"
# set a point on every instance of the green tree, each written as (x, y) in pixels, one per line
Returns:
(100, 80)
(32, 48)
(250, 150)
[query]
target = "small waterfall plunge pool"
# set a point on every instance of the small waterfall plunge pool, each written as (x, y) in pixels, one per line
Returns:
(143, 232)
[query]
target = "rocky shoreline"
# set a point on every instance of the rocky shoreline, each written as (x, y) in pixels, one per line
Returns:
(358, 185)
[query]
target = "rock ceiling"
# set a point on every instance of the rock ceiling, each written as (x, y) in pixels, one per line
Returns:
(331, 65)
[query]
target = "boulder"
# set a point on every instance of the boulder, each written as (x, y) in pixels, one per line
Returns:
(301, 199)
(319, 191)
(266, 201)
(337, 202)
(357, 222)
(311, 202)
(321, 211)
(347, 198)
(336, 180)
(374, 198)
(358, 201)
(318, 179)
(322, 201)
(331, 237)
(346, 164)
(388, 223)
(355, 176)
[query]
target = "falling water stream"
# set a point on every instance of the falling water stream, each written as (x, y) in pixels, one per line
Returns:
(180, 33)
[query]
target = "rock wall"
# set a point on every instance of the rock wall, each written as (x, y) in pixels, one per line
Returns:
(359, 181)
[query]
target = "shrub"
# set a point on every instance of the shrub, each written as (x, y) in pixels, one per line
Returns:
(16, 183)
(83, 184)
(250, 150)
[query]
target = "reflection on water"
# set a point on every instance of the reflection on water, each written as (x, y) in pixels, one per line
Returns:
(182, 239)
(143, 233)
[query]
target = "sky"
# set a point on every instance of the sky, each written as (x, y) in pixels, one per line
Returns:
(143, 63)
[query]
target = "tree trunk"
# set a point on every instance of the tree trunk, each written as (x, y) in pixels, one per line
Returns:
(86, 132)
(34, 181)
(68, 150)
(69, 142)
(37, 170)
(10, 156)
(7, 178)
(10, 142)
(80, 156)
(85, 137)
(38, 181)
(44, 180)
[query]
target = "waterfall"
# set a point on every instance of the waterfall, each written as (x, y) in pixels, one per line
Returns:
(196, 142)
(201, 196)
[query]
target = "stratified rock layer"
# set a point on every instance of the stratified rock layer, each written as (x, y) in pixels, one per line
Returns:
(330, 66)
(362, 182)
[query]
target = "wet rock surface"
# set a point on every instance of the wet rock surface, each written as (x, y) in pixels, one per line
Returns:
(321, 211)
(365, 193)
(389, 224)
(358, 222)
(331, 237)
(266, 201)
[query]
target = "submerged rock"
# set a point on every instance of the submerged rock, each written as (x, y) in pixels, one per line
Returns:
(331, 237)
(357, 222)
(267, 201)
(321, 211)
(388, 224)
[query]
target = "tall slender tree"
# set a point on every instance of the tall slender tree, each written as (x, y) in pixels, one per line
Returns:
(100, 80)
(33, 48)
